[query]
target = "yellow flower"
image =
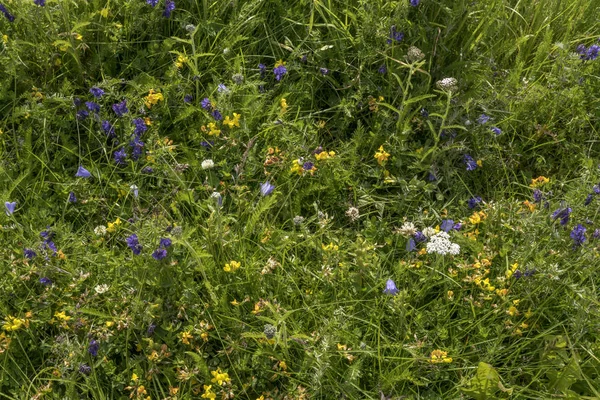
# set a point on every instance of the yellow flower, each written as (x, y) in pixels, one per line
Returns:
(511, 271)
(261, 397)
(153, 98)
(213, 130)
(232, 266)
(5, 39)
(479, 163)
(104, 12)
(134, 377)
(512, 311)
(330, 247)
(13, 324)
(450, 294)
(232, 122)
(297, 167)
(235, 302)
(539, 181)
(279, 63)
(219, 376)
(78, 36)
(204, 336)
(531, 206)
(325, 155)
(282, 365)
(185, 337)
(208, 394)
(62, 316)
(439, 356)
(284, 105)
(181, 59)
(381, 155)
(112, 226)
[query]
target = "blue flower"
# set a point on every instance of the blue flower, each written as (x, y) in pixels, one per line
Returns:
(97, 92)
(596, 189)
(134, 244)
(537, 195)
(588, 199)
(266, 188)
(496, 130)
(159, 254)
(411, 245)
(217, 115)
(82, 173)
(414, 3)
(82, 114)
(72, 198)
(140, 126)
(147, 170)
(307, 166)
(390, 288)
(137, 146)
(469, 162)
(205, 103)
(395, 36)
(120, 156)
(10, 207)
(563, 214)
(153, 3)
(45, 281)
(188, 98)
(457, 226)
(420, 237)
(578, 235)
(382, 70)
(447, 225)
(120, 108)
(165, 242)
(279, 72)
(596, 234)
(40, 3)
(483, 119)
(424, 113)
(474, 201)
(222, 88)
(85, 369)
(29, 253)
(93, 348)
(262, 69)
(323, 71)
(8, 15)
(169, 7)
(93, 107)
(108, 128)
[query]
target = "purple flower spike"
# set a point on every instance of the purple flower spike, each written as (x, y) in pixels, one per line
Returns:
(159, 254)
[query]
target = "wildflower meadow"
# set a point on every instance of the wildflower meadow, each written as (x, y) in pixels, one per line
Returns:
(301, 199)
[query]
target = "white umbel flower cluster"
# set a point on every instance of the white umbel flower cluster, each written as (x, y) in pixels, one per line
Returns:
(429, 232)
(447, 85)
(441, 244)
(208, 164)
(407, 229)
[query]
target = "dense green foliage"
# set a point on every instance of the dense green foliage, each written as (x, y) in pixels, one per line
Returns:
(286, 250)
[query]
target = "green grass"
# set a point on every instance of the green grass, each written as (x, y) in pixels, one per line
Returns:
(305, 316)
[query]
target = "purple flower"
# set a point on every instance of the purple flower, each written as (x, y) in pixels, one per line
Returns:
(266, 188)
(262, 69)
(222, 88)
(82, 114)
(151, 328)
(414, 3)
(40, 3)
(563, 214)
(447, 225)
(424, 113)
(120, 108)
(159, 254)
(578, 235)
(120, 156)
(216, 114)
(469, 162)
(97, 92)
(134, 244)
(474, 201)
(537, 195)
(596, 189)
(82, 173)
(395, 36)
(45, 281)
(169, 7)
(153, 3)
(592, 52)
(72, 198)
(8, 15)
(411, 245)
(382, 70)
(137, 146)
(496, 130)
(108, 128)
(147, 170)
(279, 72)
(85, 369)
(431, 177)
(390, 288)
(207, 145)
(93, 107)
(588, 199)
(457, 226)
(29, 253)
(323, 71)
(596, 234)
(420, 237)
(140, 126)
(10, 207)
(93, 348)
(483, 119)
(188, 98)
(165, 242)
(307, 166)
(205, 103)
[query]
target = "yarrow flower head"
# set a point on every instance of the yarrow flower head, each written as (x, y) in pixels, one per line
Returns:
(440, 244)
(390, 288)
(447, 85)
(414, 54)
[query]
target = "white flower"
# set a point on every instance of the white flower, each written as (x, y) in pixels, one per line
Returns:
(414, 54)
(298, 220)
(440, 244)
(447, 85)
(101, 288)
(353, 214)
(408, 229)
(208, 164)
(100, 230)
(429, 232)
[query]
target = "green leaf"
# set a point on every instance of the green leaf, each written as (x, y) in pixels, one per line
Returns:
(563, 380)
(484, 384)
